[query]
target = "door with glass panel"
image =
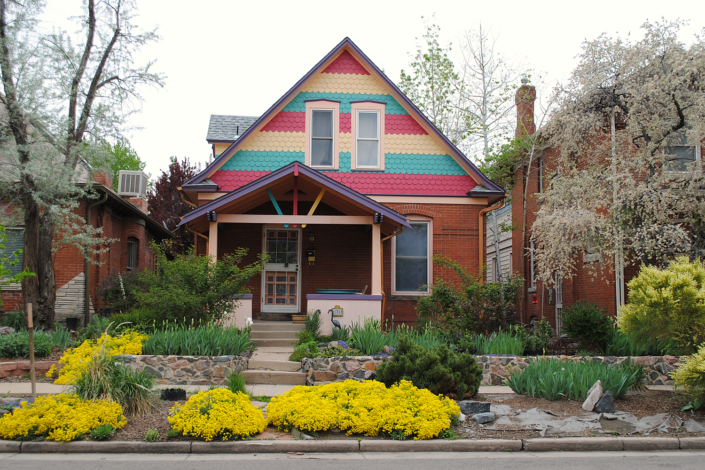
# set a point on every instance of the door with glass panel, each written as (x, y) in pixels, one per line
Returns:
(281, 280)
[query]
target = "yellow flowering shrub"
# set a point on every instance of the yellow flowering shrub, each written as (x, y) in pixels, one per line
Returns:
(63, 418)
(690, 376)
(367, 408)
(76, 360)
(217, 413)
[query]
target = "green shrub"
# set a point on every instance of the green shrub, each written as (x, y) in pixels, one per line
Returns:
(340, 334)
(15, 320)
(119, 289)
(194, 290)
(102, 433)
(17, 344)
(471, 306)
(173, 433)
(60, 338)
(313, 324)
(667, 303)
(587, 322)
(96, 327)
(623, 344)
(437, 369)
(209, 340)
(106, 379)
(151, 436)
(236, 383)
(368, 338)
(553, 379)
(500, 343)
(690, 377)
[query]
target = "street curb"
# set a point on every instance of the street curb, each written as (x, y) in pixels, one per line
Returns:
(565, 444)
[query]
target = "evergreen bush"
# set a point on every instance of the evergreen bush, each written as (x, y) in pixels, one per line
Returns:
(587, 322)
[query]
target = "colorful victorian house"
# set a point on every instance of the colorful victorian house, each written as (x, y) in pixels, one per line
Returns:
(348, 188)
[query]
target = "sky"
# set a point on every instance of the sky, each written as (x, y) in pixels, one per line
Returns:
(237, 57)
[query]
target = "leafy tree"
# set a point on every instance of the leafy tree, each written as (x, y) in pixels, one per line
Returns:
(64, 95)
(618, 124)
(124, 157)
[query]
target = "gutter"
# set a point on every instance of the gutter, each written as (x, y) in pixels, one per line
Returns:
(87, 262)
(481, 233)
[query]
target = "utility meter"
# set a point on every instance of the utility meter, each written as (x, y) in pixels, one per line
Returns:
(311, 255)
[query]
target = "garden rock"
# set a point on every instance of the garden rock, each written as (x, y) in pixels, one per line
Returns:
(6, 330)
(606, 403)
(3, 411)
(593, 396)
(482, 418)
(471, 407)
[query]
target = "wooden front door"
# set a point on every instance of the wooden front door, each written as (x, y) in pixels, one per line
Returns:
(281, 279)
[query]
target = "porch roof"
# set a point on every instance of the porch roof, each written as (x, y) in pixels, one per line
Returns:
(316, 177)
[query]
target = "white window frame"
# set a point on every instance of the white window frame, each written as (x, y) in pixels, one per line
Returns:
(378, 139)
(429, 256)
(367, 106)
(532, 263)
(322, 105)
(698, 158)
(331, 138)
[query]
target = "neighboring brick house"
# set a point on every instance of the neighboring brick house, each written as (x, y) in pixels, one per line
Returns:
(538, 301)
(125, 221)
(324, 182)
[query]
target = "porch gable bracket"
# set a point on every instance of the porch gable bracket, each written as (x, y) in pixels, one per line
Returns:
(295, 219)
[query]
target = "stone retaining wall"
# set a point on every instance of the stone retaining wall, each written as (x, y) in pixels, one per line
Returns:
(187, 370)
(494, 369)
(11, 369)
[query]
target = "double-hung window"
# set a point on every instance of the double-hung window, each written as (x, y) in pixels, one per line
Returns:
(367, 139)
(132, 250)
(322, 137)
(681, 156)
(411, 259)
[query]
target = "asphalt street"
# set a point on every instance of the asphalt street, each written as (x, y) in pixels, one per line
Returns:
(357, 461)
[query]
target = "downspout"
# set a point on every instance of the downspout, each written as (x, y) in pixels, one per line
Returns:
(195, 240)
(381, 261)
(482, 233)
(87, 263)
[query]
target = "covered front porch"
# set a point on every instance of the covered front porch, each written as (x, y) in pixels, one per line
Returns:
(323, 242)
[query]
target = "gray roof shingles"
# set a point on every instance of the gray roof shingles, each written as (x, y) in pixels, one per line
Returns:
(228, 128)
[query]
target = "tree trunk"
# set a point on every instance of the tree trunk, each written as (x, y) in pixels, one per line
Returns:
(30, 285)
(45, 273)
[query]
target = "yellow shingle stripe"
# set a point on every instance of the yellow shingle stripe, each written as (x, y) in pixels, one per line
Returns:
(279, 141)
(345, 83)
(403, 143)
(345, 142)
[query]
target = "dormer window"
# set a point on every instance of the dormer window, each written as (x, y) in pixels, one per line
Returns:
(367, 152)
(322, 134)
(322, 137)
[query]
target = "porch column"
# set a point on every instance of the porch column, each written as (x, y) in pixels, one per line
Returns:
(213, 240)
(376, 263)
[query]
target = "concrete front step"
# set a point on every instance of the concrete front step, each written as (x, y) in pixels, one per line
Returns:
(281, 343)
(273, 335)
(274, 377)
(275, 326)
(273, 364)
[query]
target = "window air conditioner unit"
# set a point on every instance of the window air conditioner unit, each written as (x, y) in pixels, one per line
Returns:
(132, 183)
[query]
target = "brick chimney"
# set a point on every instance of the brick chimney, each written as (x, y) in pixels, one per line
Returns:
(141, 203)
(103, 177)
(524, 100)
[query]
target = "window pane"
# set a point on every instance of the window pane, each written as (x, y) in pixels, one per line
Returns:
(321, 152)
(367, 125)
(411, 274)
(680, 157)
(322, 124)
(413, 242)
(15, 241)
(368, 153)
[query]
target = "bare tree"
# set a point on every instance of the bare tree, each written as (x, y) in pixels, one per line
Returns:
(64, 96)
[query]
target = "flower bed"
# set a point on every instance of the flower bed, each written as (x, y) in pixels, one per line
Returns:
(187, 370)
(63, 418)
(217, 414)
(367, 408)
(495, 369)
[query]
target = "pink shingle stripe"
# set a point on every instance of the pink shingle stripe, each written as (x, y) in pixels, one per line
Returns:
(346, 63)
(345, 125)
(369, 183)
(402, 124)
(287, 122)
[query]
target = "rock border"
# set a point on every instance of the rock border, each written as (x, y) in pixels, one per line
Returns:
(564, 444)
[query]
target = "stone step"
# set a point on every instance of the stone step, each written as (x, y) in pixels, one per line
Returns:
(275, 365)
(273, 350)
(280, 343)
(274, 377)
(278, 317)
(255, 335)
(275, 326)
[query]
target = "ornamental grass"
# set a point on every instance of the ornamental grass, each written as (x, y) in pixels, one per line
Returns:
(367, 408)
(217, 414)
(62, 418)
(76, 360)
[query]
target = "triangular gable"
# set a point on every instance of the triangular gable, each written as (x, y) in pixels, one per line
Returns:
(295, 168)
(346, 65)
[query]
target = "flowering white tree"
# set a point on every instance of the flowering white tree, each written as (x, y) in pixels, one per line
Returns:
(626, 185)
(64, 96)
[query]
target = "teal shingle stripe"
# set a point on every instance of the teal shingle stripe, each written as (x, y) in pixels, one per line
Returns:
(259, 160)
(298, 104)
(411, 163)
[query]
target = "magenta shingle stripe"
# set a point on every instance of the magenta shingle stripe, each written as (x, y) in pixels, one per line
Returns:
(287, 122)
(346, 63)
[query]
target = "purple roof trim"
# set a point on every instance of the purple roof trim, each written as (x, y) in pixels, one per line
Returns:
(242, 297)
(369, 101)
(220, 141)
(265, 180)
(322, 99)
(290, 94)
(342, 297)
(202, 187)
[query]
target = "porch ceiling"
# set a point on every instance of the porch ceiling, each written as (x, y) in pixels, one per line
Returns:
(310, 183)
